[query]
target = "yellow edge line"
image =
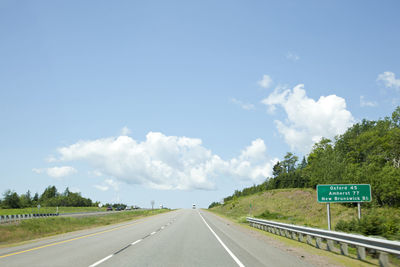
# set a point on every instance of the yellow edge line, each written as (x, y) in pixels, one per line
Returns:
(66, 241)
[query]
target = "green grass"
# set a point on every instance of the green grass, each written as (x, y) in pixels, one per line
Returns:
(50, 210)
(296, 206)
(38, 228)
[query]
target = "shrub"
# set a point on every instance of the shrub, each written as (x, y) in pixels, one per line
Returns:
(271, 215)
(374, 225)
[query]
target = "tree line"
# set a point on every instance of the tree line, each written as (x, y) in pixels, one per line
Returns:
(49, 198)
(367, 153)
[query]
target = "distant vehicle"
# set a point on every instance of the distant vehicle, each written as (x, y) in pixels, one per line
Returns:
(194, 206)
(109, 208)
(119, 208)
(128, 208)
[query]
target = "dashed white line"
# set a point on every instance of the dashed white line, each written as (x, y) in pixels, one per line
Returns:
(100, 261)
(134, 243)
(222, 243)
(137, 241)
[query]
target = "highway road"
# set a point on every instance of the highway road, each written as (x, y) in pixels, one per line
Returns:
(178, 238)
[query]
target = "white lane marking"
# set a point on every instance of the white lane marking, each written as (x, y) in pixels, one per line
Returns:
(100, 261)
(137, 241)
(162, 227)
(153, 233)
(222, 243)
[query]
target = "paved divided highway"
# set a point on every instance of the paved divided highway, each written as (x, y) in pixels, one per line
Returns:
(179, 238)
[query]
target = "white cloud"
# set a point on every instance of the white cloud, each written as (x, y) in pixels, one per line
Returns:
(95, 173)
(308, 120)
(389, 80)
(365, 103)
(292, 56)
(51, 159)
(265, 82)
(56, 172)
(101, 187)
(107, 184)
(253, 162)
(246, 106)
(166, 162)
(125, 131)
(112, 183)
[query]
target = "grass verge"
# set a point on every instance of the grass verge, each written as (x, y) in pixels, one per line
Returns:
(50, 210)
(42, 227)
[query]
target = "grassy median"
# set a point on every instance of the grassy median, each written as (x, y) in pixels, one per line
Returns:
(43, 227)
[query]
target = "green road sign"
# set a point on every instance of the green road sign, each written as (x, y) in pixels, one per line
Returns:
(331, 193)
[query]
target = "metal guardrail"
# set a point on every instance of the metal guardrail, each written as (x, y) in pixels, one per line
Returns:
(307, 234)
(18, 217)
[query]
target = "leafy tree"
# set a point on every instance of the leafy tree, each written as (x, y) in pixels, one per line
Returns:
(396, 117)
(36, 198)
(26, 200)
(49, 192)
(303, 163)
(277, 169)
(11, 200)
(214, 204)
(289, 162)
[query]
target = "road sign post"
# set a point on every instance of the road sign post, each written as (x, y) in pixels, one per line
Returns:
(343, 193)
(328, 210)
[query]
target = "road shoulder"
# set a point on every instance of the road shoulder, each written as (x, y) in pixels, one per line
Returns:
(302, 251)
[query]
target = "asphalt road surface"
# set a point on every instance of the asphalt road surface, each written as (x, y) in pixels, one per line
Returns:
(179, 238)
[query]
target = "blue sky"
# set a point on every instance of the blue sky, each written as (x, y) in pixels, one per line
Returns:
(183, 102)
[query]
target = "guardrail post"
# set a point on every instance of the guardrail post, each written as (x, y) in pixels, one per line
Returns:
(318, 242)
(301, 238)
(360, 253)
(287, 234)
(330, 245)
(383, 259)
(309, 240)
(302, 234)
(344, 249)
